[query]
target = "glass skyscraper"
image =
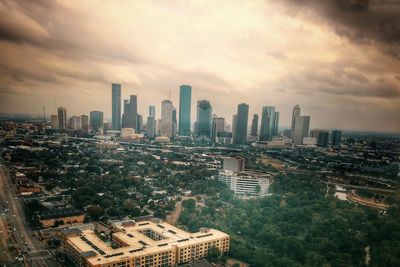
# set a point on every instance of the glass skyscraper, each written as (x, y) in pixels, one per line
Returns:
(96, 120)
(116, 106)
(241, 124)
(267, 123)
(204, 116)
(185, 98)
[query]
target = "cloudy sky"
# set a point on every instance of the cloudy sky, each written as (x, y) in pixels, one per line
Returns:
(339, 60)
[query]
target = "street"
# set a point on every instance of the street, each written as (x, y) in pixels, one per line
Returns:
(12, 207)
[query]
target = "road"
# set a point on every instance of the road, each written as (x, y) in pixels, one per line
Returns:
(22, 233)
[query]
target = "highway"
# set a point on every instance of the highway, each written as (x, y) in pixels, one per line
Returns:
(27, 244)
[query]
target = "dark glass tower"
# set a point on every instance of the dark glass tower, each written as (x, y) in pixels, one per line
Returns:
(241, 124)
(116, 106)
(254, 125)
(204, 115)
(267, 123)
(185, 98)
(96, 120)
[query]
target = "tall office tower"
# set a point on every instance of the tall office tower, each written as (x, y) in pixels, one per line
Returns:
(129, 118)
(254, 125)
(234, 121)
(276, 123)
(267, 123)
(151, 127)
(301, 128)
(75, 123)
(185, 99)
(166, 124)
(295, 113)
(218, 126)
(322, 137)
(152, 111)
(203, 122)
(116, 106)
(54, 121)
(336, 137)
(85, 123)
(241, 124)
(62, 118)
(96, 120)
(174, 122)
(139, 123)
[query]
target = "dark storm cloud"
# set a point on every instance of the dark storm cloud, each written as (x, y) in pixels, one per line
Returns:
(359, 20)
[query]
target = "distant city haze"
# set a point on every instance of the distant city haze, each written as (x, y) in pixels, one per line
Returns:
(339, 62)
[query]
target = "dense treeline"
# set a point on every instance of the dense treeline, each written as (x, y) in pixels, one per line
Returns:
(301, 225)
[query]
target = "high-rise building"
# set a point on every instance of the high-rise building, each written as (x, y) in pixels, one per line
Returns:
(322, 137)
(139, 123)
(85, 123)
(336, 137)
(116, 106)
(218, 127)
(152, 111)
(276, 123)
(151, 127)
(185, 98)
(204, 115)
(295, 113)
(301, 128)
(234, 121)
(62, 118)
(241, 124)
(129, 118)
(96, 120)
(254, 125)
(267, 123)
(166, 123)
(75, 123)
(54, 121)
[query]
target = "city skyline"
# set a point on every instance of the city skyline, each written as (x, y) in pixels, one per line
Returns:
(260, 59)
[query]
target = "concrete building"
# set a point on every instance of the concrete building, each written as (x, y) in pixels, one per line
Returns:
(166, 124)
(152, 111)
(150, 243)
(64, 216)
(85, 123)
(242, 116)
(62, 118)
(75, 123)
(246, 182)
(234, 164)
(309, 141)
(54, 121)
(301, 128)
(276, 124)
(185, 105)
(116, 106)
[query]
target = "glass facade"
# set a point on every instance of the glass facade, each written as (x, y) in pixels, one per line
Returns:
(185, 99)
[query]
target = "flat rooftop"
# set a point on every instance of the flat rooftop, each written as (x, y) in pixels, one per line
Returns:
(141, 238)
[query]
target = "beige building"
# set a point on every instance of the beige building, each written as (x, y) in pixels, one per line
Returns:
(145, 243)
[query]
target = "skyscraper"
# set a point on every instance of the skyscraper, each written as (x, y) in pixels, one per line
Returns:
(75, 123)
(166, 124)
(295, 113)
(254, 125)
(204, 115)
(96, 120)
(234, 121)
(218, 126)
(116, 106)
(54, 121)
(139, 123)
(276, 123)
(185, 98)
(301, 128)
(152, 111)
(241, 124)
(85, 123)
(62, 118)
(130, 113)
(336, 137)
(322, 137)
(151, 127)
(267, 123)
